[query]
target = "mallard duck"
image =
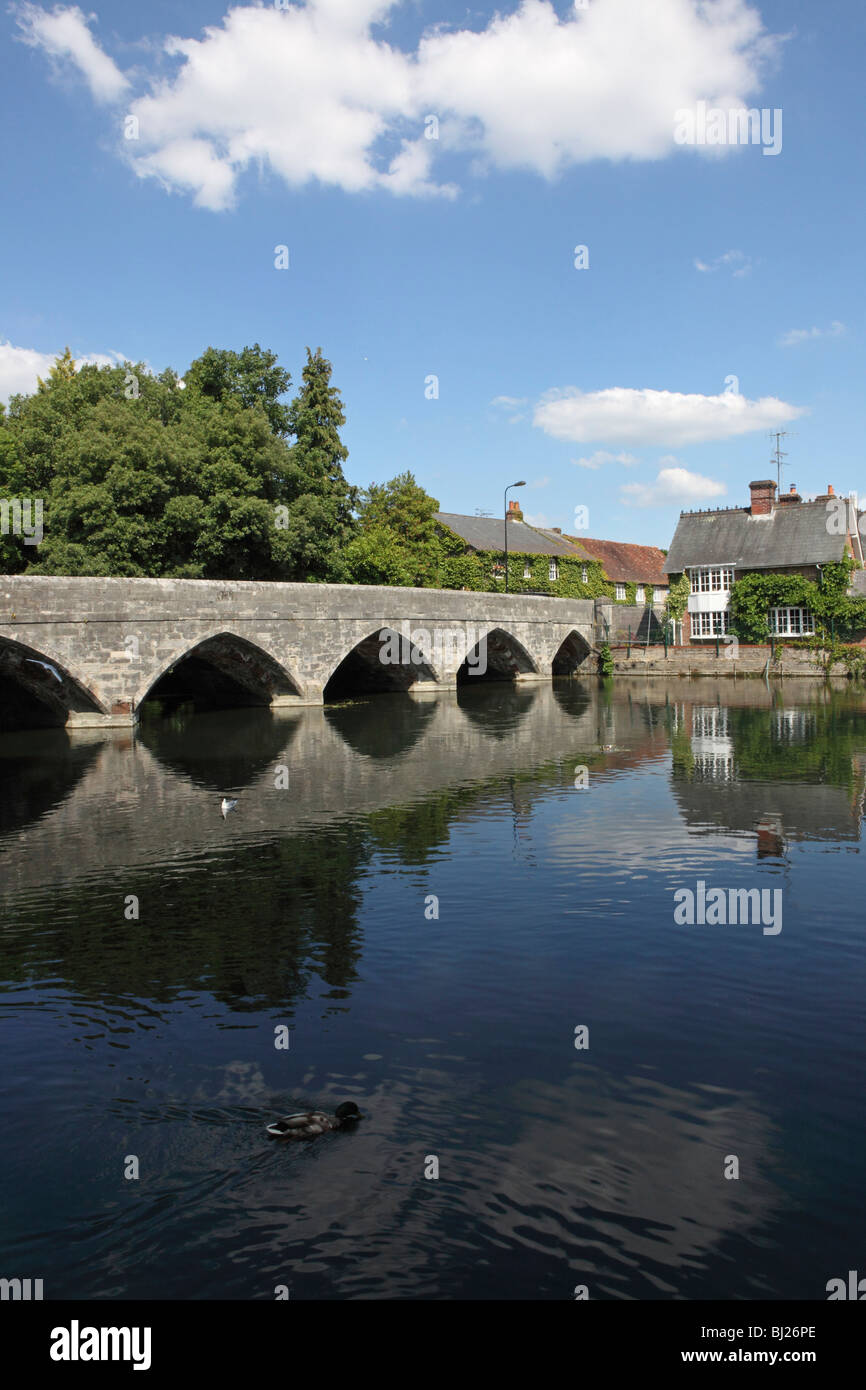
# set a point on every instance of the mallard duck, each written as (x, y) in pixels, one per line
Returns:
(307, 1124)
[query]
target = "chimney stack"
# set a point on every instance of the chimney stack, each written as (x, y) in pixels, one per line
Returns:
(763, 497)
(514, 513)
(792, 495)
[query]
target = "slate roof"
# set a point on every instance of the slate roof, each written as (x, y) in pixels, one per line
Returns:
(790, 535)
(488, 533)
(626, 563)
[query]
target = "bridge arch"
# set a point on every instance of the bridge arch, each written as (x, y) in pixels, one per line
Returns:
(385, 660)
(38, 689)
(220, 671)
(571, 653)
(498, 656)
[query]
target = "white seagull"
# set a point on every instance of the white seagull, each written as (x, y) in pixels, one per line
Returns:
(48, 667)
(227, 804)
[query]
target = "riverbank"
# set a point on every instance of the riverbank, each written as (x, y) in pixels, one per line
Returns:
(733, 660)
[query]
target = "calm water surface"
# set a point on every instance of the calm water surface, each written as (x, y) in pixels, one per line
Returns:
(314, 907)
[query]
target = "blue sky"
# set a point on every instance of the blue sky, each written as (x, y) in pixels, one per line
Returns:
(723, 294)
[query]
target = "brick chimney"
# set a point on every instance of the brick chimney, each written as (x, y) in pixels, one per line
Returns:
(763, 497)
(514, 513)
(792, 495)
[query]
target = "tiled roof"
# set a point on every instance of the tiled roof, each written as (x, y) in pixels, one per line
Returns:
(790, 535)
(626, 563)
(488, 533)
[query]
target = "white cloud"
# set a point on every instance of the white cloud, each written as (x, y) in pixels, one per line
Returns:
(538, 519)
(803, 335)
(20, 367)
(672, 485)
(601, 457)
(310, 93)
(620, 415)
(64, 34)
(736, 261)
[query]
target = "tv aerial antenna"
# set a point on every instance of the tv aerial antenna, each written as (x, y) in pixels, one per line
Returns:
(777, 456)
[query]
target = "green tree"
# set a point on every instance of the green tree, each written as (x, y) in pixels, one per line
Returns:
(139, 477)
(63, 370)
(320, 500)
(398, 540)
(253, 377)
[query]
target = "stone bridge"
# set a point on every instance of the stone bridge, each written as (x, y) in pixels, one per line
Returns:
(91, 651)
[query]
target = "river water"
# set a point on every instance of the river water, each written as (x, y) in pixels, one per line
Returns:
(414, 894)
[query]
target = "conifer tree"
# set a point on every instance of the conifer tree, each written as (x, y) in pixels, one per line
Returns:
(321, 502)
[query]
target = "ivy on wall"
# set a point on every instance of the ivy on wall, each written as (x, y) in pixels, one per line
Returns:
(835, 611)
(484, 571)
(678, 598)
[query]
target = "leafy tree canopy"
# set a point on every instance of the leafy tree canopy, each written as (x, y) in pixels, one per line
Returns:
(398, 540)
(138, 476)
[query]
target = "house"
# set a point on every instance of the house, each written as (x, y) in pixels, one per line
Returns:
(637, 572)
(544, 560)
(715, 548)
(538, 561)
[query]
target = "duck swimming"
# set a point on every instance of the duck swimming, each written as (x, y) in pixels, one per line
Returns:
(307, 1124)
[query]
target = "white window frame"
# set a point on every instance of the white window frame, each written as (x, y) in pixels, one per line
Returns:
(584, 575)
(659, 595)
(527, 570)
(553, 571)
(640, 594)
(620, 592)
(783, 623)
(706, 627)
(711, 579)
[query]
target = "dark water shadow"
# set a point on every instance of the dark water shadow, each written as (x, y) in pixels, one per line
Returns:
(219, 749)
(38, 770)
(383, 727)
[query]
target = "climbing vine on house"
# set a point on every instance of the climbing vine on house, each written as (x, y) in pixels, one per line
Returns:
(484, 571)
(834, 610)
(678, 598)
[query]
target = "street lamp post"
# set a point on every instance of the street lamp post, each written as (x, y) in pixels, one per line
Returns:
(505, 524)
